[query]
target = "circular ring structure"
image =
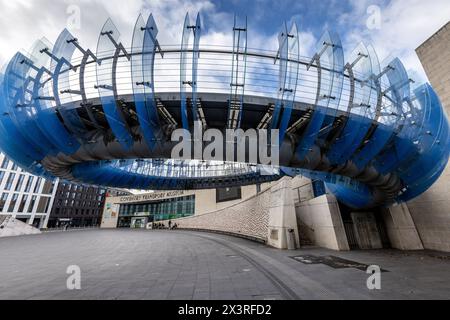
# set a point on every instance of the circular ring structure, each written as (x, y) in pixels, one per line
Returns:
(108, 117)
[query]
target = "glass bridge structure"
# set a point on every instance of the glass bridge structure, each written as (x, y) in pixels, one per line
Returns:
(105, 116)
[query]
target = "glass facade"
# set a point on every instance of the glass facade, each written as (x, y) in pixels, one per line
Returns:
(158, 210)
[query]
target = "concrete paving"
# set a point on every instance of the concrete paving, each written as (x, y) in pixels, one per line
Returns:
(129, 264)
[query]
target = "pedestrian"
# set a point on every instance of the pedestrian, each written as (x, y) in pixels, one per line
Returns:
(170, 224)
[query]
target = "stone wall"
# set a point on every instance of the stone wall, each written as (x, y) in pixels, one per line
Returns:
(249, 218)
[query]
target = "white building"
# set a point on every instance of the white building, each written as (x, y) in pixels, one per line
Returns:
(24, 196)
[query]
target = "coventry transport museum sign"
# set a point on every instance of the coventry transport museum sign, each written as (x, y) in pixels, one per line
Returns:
(151, 196)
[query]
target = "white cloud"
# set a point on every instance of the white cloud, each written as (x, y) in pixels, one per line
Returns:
(25, 21)
(404, 26)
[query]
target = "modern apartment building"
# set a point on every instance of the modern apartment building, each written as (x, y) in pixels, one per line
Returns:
(24, 196)
(79, 205)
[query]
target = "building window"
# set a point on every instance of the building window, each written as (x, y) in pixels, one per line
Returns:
(10, 180)
(318, 188)
(2, 174)
(228, 194)
(3, 201)
(29, 183)
(14, 167)
(31, 205)
(22, 203)
(43, 205)
(19, 182)
(13, 202)
(38, 184)
(5, 163)
(48, 187)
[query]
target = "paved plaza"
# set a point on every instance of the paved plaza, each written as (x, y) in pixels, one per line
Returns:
(127, 264)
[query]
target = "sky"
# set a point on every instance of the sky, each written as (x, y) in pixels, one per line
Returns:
(395, 27)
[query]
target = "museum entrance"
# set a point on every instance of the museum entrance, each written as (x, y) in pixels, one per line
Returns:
(138, 215)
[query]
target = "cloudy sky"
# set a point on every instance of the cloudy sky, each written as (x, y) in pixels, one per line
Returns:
(395, 27)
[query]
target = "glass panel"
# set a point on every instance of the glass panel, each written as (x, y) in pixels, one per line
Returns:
(45, 117)
(19, 182)
(10, 181)
(432, 146)
(142, 66)
(283, 52)
(183, 70)
(290, 89)
(37, 186)
(3, 201)
(402, 148)
(195, 56)
(361, 104)
(22, 203)
(388, 120)
(238, 74)
(330, 67)
(31, 205)
(61, 69)
(5, 163)
(17, 151)
(29, 183)
(107, 52)
(13, 202)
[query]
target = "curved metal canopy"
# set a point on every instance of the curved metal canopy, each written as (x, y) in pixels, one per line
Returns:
(107, 118)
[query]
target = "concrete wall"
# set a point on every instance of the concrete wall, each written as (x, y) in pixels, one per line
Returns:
(401, 229)
(434, 54)
(431, 211)
(283, 227)
(320, 221)
(431, 215)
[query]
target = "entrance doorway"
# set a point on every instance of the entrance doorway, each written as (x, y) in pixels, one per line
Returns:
(350, 227)
(139, 222)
